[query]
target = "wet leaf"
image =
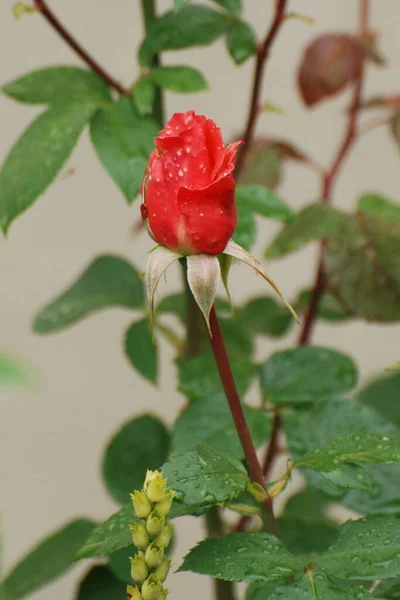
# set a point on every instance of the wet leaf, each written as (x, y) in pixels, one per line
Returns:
(205, 476)
(314, 222)
(210, 421)
(306, 374)
(38, 155)
(367, 549)
(363, 265)
(242, 557)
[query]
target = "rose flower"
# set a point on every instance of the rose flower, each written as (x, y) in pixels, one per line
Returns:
(188, 189)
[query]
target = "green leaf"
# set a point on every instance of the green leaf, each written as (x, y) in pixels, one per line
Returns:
(263, 164)
(306, 374)
(264, 316)
(363, 266)
(123, 141)
(383, 395)
(379, 205)
(141, 350)
(241, 42)
(179, 79)
(314, 222)
(114, 533)
(329, 308)
(120, 565)
(308, 430)
(242, 557)
(109, 536)
(144, 92)
(367, 549)
(59, 85)
(320, 588)
(107, 281)
(233, 6)
(252, 198)
(204, 476)
(140, 444)
(199, 378)
(13, 371)
(246, 229)
(192, 26)
(261, 590)
(304, 528)
(36, 158)
(210, 421)
(362, 448)
(48, 560)
(101, 584)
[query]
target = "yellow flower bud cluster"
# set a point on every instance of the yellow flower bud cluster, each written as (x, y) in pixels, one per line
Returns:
(151, 534)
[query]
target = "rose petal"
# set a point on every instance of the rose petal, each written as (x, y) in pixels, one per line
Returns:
(210, 215)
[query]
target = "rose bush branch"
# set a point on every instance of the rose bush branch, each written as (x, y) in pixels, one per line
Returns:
(189, 207)
(235, 406)
(42, 7)
(263, 52)
(328, 182)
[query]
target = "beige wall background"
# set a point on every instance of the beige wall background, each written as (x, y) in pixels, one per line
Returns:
(51, 438)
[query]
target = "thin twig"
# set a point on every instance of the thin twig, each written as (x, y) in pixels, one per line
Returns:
(232, 396)
(263, 52)
(41, 6)
(328, 183)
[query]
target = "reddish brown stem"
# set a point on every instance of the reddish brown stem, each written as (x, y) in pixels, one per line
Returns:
(327, 186)
(263, 52)
(270, 455)
(41, 6)
(232, 396)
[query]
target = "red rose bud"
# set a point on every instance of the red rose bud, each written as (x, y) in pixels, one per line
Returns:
(188, 189)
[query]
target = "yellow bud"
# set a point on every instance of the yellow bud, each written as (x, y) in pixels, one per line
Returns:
(141, 504)
(155, 523)
(152, 588)
(139, 570)
(155, 486)
(140, 537)
(163, 594)
(133, 593)
(154, 555)
(164, 506)
(162, 571)
(163, 539)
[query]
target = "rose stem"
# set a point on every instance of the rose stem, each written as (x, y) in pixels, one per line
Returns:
(149, 15)
(232, 396)
(263, 52)
(41, 6)
(195, 335)
(328, 182)
(327, 187)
